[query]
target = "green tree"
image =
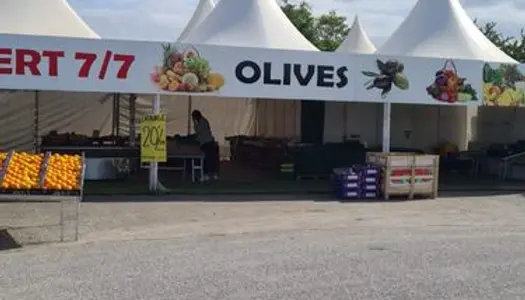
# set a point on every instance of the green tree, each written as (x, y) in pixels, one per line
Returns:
(512, 46)
(326, 31)
(302, 18)
(331, 30)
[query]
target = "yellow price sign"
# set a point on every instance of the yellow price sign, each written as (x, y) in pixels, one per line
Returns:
(153, 138)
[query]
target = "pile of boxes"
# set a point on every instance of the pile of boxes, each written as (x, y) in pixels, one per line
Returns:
(357, 182)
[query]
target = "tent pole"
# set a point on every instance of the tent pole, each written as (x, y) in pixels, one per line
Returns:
(190, 108)
(113, 116)
(36, 122)
(117, 116)
(294, 118)
(256, 131)
(275, 115)
(513, 136)
(387, 114)
(345, 120)
(132, 119)
(154, 167)
(438, 129)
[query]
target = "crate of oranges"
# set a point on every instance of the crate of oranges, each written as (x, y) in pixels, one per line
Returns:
(41, 174)
(63, 172)
(21, 171)
(3, 157)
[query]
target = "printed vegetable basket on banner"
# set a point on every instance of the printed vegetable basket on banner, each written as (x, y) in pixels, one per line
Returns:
(449, 87)
(390, 74)
(503, 85)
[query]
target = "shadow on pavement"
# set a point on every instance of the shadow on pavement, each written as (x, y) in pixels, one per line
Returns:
(282, 198)
(7, 242)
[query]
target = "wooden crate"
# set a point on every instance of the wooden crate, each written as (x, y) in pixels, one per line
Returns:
(407, 174)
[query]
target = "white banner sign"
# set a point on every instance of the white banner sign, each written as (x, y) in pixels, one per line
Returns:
(66, 64)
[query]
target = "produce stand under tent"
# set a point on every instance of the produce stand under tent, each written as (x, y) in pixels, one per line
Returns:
(97, 124)
(410, 78)
(248, 73)
(22, 109)
(417, 38)
(486, 130)
(49, 18)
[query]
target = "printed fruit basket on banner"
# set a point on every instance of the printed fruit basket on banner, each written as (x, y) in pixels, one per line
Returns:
(41, 173)
(185, 71)
(449, 87)
(503, 85)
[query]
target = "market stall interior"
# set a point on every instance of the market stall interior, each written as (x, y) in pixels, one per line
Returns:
(268, 144)
(482, 132)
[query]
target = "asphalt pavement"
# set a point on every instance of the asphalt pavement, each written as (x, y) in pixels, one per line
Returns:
(453, 249)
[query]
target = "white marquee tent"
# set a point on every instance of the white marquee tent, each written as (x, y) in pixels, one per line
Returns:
(343, 120)
(49, 18)
(204, 8)
(437, 28)
(79, 112)
(357, 40)
(250, 23)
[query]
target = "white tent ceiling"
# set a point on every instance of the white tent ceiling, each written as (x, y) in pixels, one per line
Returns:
(442, 28)
(203, 9)
(42, 17)
(357, 40)
(249, 23)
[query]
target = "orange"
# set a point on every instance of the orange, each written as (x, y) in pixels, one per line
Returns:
(63, 172)
(23, 171)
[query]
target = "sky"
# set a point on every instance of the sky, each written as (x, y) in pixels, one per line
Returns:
(165, 19)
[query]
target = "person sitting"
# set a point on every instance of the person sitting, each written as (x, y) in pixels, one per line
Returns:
(208, 145)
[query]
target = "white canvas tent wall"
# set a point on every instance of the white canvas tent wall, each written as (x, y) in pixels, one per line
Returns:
(437, 28)
(80, 112)
(250, 23)
(343, 120)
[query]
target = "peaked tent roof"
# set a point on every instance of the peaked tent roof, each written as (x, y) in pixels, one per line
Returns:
(249, 23)
(442, 28)
(203, 9)
(42, 17)
(357, 40)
